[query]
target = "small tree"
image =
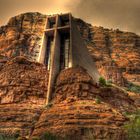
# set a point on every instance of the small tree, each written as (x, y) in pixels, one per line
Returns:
(133, 127)
(102, 81)
(49, 136)
(133, 88)
(97, 100)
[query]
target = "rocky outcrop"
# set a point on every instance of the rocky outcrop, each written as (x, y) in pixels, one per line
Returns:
(18, 118)
(23, 81)
(22, 36)
(81, 107)
(116, 53)
(23, 88)
(80, 120)
(76, 84)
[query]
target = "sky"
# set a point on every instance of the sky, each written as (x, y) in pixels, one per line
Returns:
(116, 14)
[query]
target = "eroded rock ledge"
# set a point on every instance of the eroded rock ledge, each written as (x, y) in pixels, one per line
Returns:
(74, 112)
(23, 87)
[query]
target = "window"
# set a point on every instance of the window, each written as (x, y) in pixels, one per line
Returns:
(48, 53)
(65, 22)
(52, 24)
(64, 51)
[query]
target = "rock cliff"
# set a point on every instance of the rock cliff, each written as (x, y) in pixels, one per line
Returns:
(22, 36)
(23, 87)
(80, 108)
(116, 53)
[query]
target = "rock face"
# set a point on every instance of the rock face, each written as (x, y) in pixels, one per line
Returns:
(116, 53)
(75, 83)
(76, 112)
(22, 36)
(23, 87)
(80, 119)
(80, 108)
(23, 81)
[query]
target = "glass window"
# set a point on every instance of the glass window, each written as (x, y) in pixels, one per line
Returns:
(64, 51)
(48, 53)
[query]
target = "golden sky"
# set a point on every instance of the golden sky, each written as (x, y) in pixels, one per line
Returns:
(122, 14)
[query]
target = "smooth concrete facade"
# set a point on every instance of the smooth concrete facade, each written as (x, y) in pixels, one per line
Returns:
(57, 26)
(80, 54)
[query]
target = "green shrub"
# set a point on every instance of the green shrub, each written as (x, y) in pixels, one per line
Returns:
(5, 137)
(102, 81)
(49, 136)
(36, 138)
(113, 61)
(97, 100)
(133, 88)
(133, 127)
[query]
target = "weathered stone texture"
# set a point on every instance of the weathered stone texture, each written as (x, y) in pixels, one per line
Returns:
(113, 49)
(22, 81)
(22, 36)
(116, 53)
(75, 111)
(23, 88)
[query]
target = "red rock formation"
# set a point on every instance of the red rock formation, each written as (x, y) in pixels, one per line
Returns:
(76, 84)
(116, 53)
(23, 88)
(113, 50)
(75, 106)
(23, 81)
(79, 106)
(77, 119)
(75, 111)
(22, 36)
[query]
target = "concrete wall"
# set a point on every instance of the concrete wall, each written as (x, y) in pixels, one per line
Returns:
(43, 49)
(70, 49)
(55, 66)
(55, 63)
(80, 54)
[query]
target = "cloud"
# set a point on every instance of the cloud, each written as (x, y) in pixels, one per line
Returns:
(9, 8)
(111, 13)
(108, 13)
